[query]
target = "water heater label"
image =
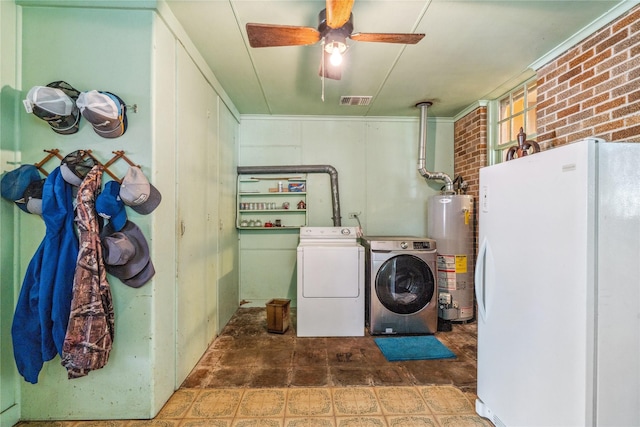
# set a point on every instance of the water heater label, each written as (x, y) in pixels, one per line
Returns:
(461, 263)
(446, 262)
(447, 272)
(447, 280)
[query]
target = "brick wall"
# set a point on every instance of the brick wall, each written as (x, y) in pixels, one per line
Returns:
(593, 89)
(470, 148)
(470, 154)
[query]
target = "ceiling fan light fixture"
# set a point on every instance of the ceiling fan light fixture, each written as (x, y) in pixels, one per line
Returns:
(335, 26)
(335, 49)
(336, 58)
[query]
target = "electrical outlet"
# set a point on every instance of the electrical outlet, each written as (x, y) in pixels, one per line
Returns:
(352, 215)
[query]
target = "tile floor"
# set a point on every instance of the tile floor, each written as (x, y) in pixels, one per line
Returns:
(249, 377)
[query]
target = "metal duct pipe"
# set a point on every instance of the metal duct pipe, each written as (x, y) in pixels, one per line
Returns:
(333, 176)
(422, 152)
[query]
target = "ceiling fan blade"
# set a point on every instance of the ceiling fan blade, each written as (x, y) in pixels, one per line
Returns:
(270, 35)
(387, 37)
(330, 71)
(338, 12)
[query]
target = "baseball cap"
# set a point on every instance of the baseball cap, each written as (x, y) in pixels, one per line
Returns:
(109, 205)
(14, 183)
(75, 166)
(126, 254)
(137, 193)
(32, 198)
(106, 112)
(55, 103)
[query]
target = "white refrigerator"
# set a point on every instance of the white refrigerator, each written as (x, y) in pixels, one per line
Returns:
(558, 287)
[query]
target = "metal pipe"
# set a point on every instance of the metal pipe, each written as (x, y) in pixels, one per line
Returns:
(422, 152)
(333, 176)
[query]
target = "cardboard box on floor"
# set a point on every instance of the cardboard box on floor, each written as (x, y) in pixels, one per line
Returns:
(278, 315)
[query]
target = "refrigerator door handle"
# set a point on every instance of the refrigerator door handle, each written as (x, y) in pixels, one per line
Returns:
(479, 279)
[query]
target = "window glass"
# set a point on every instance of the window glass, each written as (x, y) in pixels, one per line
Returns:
(505, 131)
(515, 109)
(518, 102)
(503, 155)
(517, 122)
(505, 110)
(531, 123)
(532, 94)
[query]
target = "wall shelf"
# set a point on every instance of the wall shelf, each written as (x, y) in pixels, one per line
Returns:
(271, 200)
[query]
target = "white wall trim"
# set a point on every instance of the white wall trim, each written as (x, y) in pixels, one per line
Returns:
(479, 103)
(343, 118)
(612, 14)
(110, 4)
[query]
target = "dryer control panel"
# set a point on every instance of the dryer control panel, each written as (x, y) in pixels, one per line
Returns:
(328, 234)
(384, 243)
(424, 244)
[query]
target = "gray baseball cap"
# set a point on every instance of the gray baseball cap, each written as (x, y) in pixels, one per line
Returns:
(137, 193)
(106, 112)
(126, 254)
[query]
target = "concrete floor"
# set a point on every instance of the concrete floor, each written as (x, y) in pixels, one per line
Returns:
(247, 355)
(252, 378)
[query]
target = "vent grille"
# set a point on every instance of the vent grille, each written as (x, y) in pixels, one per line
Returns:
(355, 100)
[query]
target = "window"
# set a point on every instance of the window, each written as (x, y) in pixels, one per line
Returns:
(514, 110)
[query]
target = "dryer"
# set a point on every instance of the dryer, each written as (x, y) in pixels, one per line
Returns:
(400, 285)
(330, 263)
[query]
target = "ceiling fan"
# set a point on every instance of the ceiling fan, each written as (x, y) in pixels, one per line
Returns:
(334, 28)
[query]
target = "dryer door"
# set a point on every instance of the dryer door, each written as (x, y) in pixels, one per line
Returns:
(404, 284)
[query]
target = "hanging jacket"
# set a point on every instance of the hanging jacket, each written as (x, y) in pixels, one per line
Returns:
(42, 312)
(90, 331)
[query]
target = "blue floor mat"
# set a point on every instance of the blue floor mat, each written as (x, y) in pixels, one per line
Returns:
(424, 347)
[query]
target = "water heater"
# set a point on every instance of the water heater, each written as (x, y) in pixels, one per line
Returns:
(450, 224)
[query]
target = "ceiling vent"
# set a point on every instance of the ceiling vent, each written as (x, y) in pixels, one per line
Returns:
(355, 100)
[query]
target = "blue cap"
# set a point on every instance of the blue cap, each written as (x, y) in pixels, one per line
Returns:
(109, 205)
(15, 182)
(32, 198)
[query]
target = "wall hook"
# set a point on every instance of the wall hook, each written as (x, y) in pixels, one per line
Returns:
(120, 155)
(51, 154)
(106, 169)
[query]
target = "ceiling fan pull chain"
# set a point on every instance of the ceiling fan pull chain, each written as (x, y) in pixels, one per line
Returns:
(322, 64)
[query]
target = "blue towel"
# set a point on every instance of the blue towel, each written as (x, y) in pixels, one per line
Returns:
(423, 347)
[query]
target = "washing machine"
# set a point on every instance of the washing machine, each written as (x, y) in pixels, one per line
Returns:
(330, 264)
(400, 285)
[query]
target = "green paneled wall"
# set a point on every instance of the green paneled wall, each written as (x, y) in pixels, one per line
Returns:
(228, 262)
(104, 50)
(376, 160)
(9, 396)
(133, 53)
(196, 259)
